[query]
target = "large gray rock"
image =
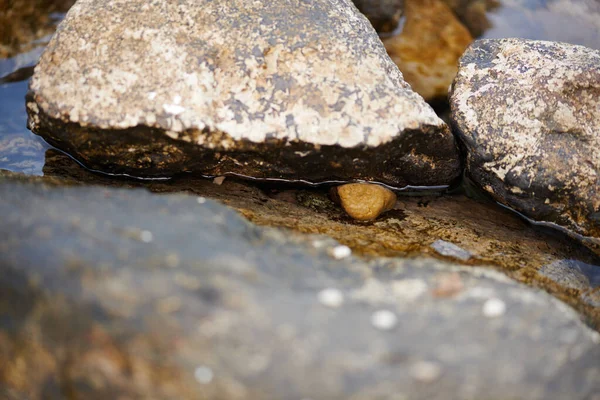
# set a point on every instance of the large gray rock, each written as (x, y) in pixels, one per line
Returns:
(287, 89)
(528, 113)
(110, 293)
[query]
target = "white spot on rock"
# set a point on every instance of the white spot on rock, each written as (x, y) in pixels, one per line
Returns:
(204, 374)
(331, 297)
(341, 251)
(173, 109)
(494, 308)
(201, 200)
(384, 320)
(146, 236)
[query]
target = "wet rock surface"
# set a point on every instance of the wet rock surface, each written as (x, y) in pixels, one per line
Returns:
(491, 235)
(110, 291)
(537, 153)
(363, 201)
(267, 89)
(428, 47)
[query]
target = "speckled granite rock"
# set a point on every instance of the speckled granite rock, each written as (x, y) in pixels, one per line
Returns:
(268, 89)
(428, 47)
(108, 292)
(384, 15)
(528, 113)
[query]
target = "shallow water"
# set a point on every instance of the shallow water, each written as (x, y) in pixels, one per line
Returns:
(20, 150)
(576, 22)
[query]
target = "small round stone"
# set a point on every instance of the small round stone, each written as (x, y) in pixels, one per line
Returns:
(384, 320)
(339, 252)
(146, 236)
(364, 201)
(203, 374)
(494, 308)
(331, 297)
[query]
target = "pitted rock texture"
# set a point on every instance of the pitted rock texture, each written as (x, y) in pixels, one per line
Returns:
(528, 114)
(110, 293)
(270, 89)
(384, 15)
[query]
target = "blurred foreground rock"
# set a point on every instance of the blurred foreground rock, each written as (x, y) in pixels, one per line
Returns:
(109, 293)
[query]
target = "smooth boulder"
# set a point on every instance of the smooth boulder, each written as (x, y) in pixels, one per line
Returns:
(108, 293)
(528, 114)
(280, 89)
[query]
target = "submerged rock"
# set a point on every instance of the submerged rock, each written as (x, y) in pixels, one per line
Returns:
(363, 201)
(384, 15)
(266, 89)
(107, 292)
(537, 150)
(428, 47)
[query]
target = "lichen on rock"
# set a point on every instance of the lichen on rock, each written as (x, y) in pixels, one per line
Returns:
(268, 89)
(528, 114)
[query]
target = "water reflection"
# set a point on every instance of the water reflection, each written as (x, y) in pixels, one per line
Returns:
(20, 150)
(570, 21)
